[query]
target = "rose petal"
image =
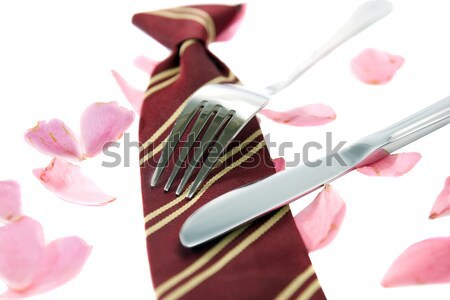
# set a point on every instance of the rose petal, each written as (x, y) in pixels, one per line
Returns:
(393, 165)
(425, 262)
(133, 95)
(376, 67)
(10, 201)
(102, 123)
(67, 182)
(21, 251)
(279, 164)
(55, 139)
(145, 63)
(309, 115)
(63, 260)
(231, 30)
(320, 221)
(441, 206)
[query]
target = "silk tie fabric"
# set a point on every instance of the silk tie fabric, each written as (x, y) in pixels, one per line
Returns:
(263, 260)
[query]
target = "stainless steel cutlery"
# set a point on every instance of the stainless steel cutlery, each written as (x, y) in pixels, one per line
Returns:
(244, 204)
(229, 107)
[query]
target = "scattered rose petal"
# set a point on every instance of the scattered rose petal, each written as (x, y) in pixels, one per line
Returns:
(320, 221)
(145, 63)
(133, 95)
(279, 164)
(10, 201)
(67, 182)
(376, 67)
(393, 165)
(102, 123)
(231, 30)
(62, 261)
(21, 252)
(309, 115)
(55, 139)
(442, 205)
(28, 266)
(425, 262)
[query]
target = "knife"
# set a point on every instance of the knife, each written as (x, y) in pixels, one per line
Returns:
(245, 204)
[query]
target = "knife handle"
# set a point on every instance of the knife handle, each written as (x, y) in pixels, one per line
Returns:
(416, 126)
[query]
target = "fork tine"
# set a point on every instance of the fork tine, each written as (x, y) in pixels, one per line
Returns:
(215, 126)
(180, 127)
(192, 137)
(227, 135)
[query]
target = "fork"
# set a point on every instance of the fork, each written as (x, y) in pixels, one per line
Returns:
(230, 107)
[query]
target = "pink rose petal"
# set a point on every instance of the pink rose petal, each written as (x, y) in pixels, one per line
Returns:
(309, 115)
(231, 30)
(62, 261)
(55, 139)
(393, 165)
(320, 221)
(133, 95)
(376, 67)
(279, 164)
(10, 201)
(67, 182)
(21, 251)
(441, 206)
(102, 123)
(145, 63)
(425, 262)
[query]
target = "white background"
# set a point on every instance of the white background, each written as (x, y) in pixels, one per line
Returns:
(55, 59)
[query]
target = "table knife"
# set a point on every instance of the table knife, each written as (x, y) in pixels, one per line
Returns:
(247, 203)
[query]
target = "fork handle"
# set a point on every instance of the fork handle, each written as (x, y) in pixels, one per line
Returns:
(364, 16)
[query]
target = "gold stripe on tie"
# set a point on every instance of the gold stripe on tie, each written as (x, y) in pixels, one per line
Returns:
(163, 75)
(154, 228)
(200, 262)
(174, 116)
(238, 148)
(161, 85)
(173, 14)
(226, 156)
(233, 253)
(295, 284)
(309, 291)
(152, 153)
(175, 71)
(185, 45)
(203, 14)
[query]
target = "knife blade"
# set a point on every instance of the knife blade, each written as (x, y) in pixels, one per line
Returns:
(245, 204)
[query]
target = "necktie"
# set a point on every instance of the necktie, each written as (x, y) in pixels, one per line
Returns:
(263, 260)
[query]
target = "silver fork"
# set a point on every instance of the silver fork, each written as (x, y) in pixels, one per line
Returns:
(231, 106)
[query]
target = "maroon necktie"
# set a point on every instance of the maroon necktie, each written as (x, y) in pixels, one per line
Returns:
(263, 260)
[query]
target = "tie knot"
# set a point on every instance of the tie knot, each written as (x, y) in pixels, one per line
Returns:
(207, 23)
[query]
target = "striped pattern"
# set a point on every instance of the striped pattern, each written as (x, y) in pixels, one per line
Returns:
(152, 229)
(192, 14)
(309, 291)
(203, 260)
(227, 258)
(254, 248)
(171, 120)
(297, 283)
(224, 158)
